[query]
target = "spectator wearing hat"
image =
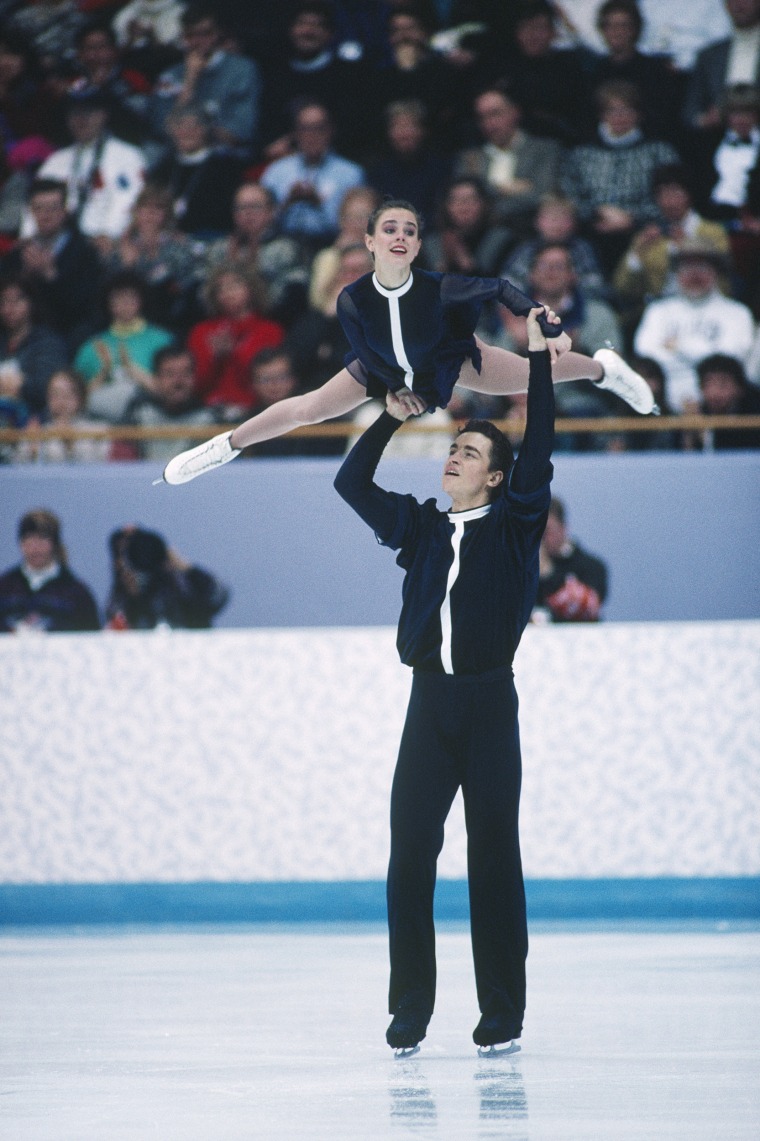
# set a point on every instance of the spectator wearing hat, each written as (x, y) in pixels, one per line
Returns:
(41, 594)
(154, 586)
(697, 321)
(60, 264)
(103, 175)
(646, 269)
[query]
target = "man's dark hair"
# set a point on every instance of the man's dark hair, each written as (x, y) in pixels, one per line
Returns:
(48, 186)
(722, 362)
(629, 7)
(671, 174)
(502, 457)
(167, 353)
(321, 8)
(195, 13)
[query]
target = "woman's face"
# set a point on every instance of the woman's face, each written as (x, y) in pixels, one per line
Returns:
(233, 296)
(38, 551)
(62, 397)
(150, 216)
(396, 240)
(124, 305)
(15, 308)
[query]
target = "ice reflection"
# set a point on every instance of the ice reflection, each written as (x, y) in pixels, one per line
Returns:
(412, 1103)
(501, 1090)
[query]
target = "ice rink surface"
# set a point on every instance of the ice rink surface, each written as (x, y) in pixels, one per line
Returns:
(236, 1033)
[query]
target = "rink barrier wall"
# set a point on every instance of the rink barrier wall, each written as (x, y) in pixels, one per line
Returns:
(220, 770)
(615, 900)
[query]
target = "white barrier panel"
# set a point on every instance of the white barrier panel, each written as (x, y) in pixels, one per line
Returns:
(268, 755)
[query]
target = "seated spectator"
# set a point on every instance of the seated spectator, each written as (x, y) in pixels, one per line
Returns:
(697, 321)
(662, 88)
(224, 345)
(734, 59)
(557, 221)
(548, 84)
(355, 209)
(103, 175)
(310, 184)
(662, 440)
(572, 584)
(201, 177)
(610, 179)
(317, 342)
(41, 594)
(17, 161)
(467, 240)
(255, 247)
(311, 68)
(168, 262)
(64, 409)
(117, 362)
(50, 29)
(13, 411)
(61, 265)
(226, 87)
(726, 161)
(725, 391)
(408, 167)
(148, 34)
(415, 71)
(154, 586)
(273, 378)
(172, 402)
(124, 90)
(26, 107)
(34, 349)
(517, 167)
(646, 270)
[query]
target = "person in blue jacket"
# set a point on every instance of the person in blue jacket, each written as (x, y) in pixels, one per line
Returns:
(471, 578)
(411, 332)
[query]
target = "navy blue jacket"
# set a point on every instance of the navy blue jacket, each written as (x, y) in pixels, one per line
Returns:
(419, 334)
(469, 621)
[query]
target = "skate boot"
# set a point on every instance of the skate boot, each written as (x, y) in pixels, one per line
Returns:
(621, 379)
(206, 456)
(407, 1029)
(492, 1039)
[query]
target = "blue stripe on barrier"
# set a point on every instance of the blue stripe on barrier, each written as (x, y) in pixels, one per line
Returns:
(358, 901)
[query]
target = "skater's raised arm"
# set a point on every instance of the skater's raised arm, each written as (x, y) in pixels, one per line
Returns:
(355, 482)
(533, 467)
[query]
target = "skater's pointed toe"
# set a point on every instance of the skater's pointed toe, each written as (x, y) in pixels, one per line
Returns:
(196, 461)
(625, 382)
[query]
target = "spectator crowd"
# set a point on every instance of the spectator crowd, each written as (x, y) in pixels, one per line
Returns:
(184, 189)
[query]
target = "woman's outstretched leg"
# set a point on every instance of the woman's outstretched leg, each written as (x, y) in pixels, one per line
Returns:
(337, 396)
(504, 373)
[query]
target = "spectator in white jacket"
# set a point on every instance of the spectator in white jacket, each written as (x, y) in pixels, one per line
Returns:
(103, 175)
(698, 321)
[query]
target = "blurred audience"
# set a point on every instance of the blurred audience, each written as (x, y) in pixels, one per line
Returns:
(572, 584)
(557, 221)
(26, 344)
(355, 209)
(407, 165)
(273, 378)
(153, 586)
(40, 594)
(725, 391)
(64, 409)
(466, 239)
(735, 59)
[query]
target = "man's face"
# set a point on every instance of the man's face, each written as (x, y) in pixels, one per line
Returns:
(743, 13)
(552, 275)
(535, 35)
(309, 35)
(467, 477)
(619, 32)
(49, 212)
(673, 201)
(86, 124)
(497, 117)
(720, 393)
(175, 381)
(555, 536)
(696, 277)
(97, 53)
(188, 134)
(201, 38)
(313, 133)
(273, 381)
(253, 212)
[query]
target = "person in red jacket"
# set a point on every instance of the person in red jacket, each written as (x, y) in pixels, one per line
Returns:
(224, 345)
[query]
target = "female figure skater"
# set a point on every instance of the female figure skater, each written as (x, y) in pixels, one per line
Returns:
(412, 332)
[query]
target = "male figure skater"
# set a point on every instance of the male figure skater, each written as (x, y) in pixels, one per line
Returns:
(471, 582)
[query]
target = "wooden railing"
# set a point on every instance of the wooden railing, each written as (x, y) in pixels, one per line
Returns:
(345, 428)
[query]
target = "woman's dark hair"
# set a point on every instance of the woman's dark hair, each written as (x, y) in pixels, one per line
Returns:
(722, 362)
(502, 457)
(393, 204)
(127, 279)
(628, 7)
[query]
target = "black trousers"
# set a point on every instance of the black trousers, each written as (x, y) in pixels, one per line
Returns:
(459, 731)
